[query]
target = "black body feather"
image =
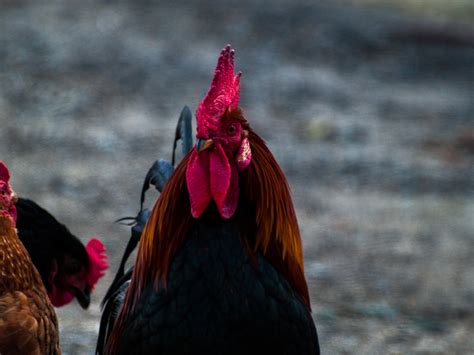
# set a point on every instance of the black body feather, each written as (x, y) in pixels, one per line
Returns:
(219, 301)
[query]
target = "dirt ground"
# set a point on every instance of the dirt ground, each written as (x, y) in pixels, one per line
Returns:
(368, 110)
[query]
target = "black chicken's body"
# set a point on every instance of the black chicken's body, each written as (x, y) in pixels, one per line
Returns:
(219, 301)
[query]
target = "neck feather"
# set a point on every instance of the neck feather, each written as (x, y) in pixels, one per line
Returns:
(18, 271)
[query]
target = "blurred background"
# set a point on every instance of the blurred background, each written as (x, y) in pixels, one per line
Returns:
(367, 105)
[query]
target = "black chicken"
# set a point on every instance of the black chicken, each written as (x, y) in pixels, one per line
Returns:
(68, 268)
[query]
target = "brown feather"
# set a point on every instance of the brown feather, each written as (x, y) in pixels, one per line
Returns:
(277, 234)
(28, 323)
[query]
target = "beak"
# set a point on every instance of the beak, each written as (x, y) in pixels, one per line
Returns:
(202, 145)
(83, 297)
(14, 197)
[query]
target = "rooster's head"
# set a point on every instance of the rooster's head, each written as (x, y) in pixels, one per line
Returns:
(7, 195)
(222, 149)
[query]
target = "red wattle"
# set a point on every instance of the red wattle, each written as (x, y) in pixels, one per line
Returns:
(220, 175)
(197, 180)
(229, 205)
(60, 298)
(210, 176)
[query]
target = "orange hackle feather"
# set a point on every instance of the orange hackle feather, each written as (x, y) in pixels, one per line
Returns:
(277, 234)
(265, 214)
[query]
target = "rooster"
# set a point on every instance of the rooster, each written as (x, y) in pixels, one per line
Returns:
(68, 269)
(219, 269)
(28, 323)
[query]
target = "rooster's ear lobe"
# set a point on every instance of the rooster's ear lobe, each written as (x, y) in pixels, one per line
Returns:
(4, 174)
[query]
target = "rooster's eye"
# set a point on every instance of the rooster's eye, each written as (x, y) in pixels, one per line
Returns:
(231, 129)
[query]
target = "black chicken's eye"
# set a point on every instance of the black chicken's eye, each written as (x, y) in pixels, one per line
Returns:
(2, 192)
(231, 129)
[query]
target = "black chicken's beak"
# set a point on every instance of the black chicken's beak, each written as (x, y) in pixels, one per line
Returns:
(202, 145)
(83, 297)
(14, 197)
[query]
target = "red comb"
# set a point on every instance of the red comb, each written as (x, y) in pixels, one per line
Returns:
(223, 94)
(4, 174)
(98, 261)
